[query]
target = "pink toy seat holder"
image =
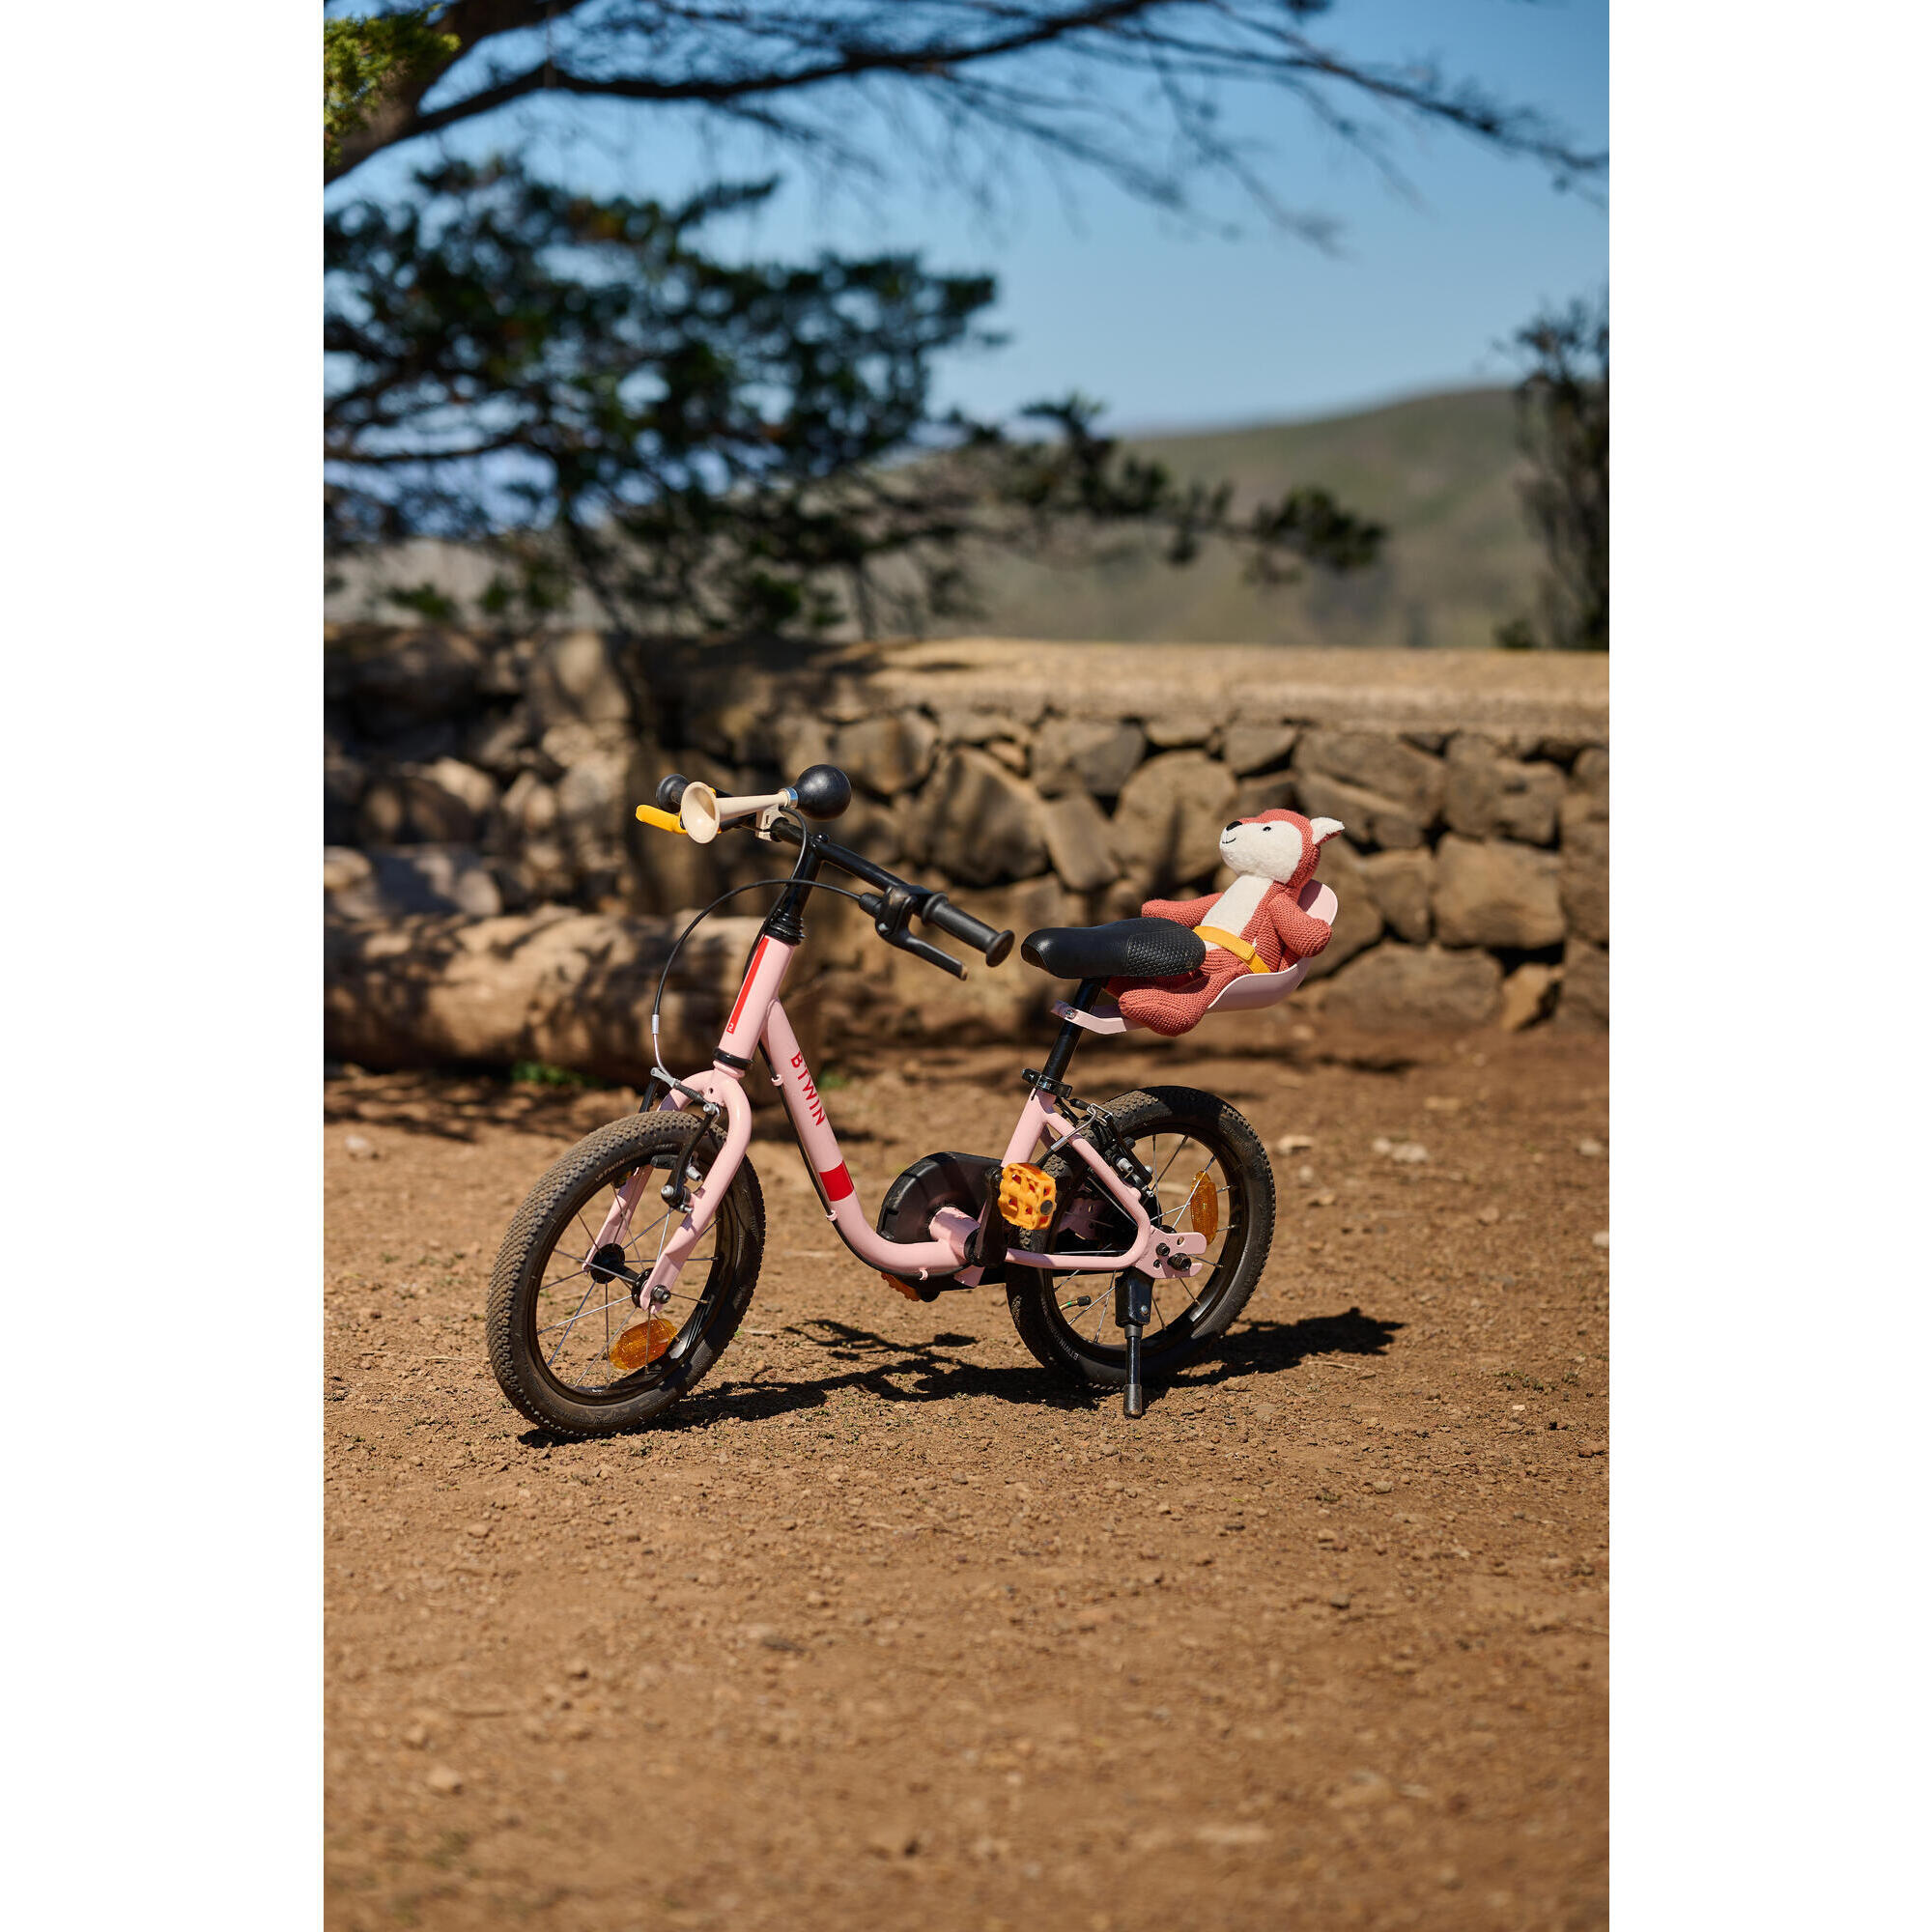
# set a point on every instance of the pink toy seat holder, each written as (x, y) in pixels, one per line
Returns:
(1242, 995)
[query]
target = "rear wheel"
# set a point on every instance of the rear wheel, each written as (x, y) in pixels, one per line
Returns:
(1211, 1175)
(557, 1302)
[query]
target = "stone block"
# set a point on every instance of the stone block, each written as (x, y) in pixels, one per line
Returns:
(477, 789)
(407, 808)
(348, 883)
(1249, 747)
(392, 884)
(1584, 881)
(500, 741)
(1528, 995)
(799, 740)
(1492, 892)
(1379, 763)
(599, 791)
(1590, 776)
(977, 822)
(1167, 822)
(1489, 796)
(1587, 801)
(1401, 883)
(1089, 754)
(1370, 819)
(1586, 986)
(872, 827)
(530, 807)
(572, 742)
(1192, 719)
(980, 724)
(574, 676)
(1417, 986)
(888, 753)
(735, 732)
(1077, 842)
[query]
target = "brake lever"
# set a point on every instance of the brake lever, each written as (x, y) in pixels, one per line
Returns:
(889, 911)
(931, 954)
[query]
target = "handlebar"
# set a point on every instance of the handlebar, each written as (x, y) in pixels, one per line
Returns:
(939, 911)
(894, 898)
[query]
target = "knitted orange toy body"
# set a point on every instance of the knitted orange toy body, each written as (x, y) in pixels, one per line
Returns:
(1253, 927)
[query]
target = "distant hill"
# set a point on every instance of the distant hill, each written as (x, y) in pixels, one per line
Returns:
(1440, 470)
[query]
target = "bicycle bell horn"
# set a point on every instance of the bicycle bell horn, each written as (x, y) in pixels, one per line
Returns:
(701, 811)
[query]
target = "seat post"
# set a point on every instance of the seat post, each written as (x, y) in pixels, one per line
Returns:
(1060, 1058)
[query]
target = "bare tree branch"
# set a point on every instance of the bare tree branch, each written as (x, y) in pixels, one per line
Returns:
(1047, 70)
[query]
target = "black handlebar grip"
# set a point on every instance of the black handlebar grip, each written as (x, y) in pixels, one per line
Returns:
(939, 911)
(823, 792)
(670, 791)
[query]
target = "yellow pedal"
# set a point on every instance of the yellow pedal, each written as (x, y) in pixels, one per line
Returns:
(1203, 1207)
(1026, 1195)
(641, 1344)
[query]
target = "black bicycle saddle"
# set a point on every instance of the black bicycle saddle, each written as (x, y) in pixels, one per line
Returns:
(1126, 949)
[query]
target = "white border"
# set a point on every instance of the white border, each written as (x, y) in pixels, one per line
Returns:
(163, 1508)
(1769, 684)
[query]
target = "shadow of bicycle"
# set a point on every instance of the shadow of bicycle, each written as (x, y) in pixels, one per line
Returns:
(898, 1371)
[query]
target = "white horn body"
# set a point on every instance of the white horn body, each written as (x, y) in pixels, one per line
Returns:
(701, 811)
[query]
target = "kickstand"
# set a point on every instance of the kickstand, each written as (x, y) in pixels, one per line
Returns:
(1133, 1308)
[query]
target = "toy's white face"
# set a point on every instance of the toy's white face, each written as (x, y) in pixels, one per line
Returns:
(1269, 851)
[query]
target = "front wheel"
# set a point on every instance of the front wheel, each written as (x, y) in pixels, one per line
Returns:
(556, 1306)
(1211, 1175)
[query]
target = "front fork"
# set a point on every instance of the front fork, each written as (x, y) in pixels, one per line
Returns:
(697, 1198)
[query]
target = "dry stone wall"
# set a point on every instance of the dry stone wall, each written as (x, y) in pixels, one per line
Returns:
(492, 779)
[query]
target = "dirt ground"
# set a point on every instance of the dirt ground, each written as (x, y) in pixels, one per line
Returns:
(884, 1628)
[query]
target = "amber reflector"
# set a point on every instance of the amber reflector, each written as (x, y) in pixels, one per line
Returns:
(1204, 1208)
(643, 1343)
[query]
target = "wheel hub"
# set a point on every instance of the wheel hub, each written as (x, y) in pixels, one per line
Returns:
(609, 1265)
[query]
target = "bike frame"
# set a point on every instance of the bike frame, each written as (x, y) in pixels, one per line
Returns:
(758, 1020)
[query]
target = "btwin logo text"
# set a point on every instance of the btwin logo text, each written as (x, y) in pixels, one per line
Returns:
(810, 1091)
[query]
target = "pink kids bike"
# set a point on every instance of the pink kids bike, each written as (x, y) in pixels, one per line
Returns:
(1126, 1231)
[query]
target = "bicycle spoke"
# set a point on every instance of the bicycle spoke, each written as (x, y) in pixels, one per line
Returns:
(645, 1232)
(569, 1326)
(622, 1301)
(1170, 1160)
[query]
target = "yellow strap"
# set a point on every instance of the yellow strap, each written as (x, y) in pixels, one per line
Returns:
(664, 821)
(1234, 942)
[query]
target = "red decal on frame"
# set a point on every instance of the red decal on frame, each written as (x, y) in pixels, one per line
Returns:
(751, 973)
(837, 1182)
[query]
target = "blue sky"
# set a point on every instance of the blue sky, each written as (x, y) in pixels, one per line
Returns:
(1172, 326)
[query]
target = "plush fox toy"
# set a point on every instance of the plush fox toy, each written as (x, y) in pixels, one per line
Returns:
(1254, 927)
